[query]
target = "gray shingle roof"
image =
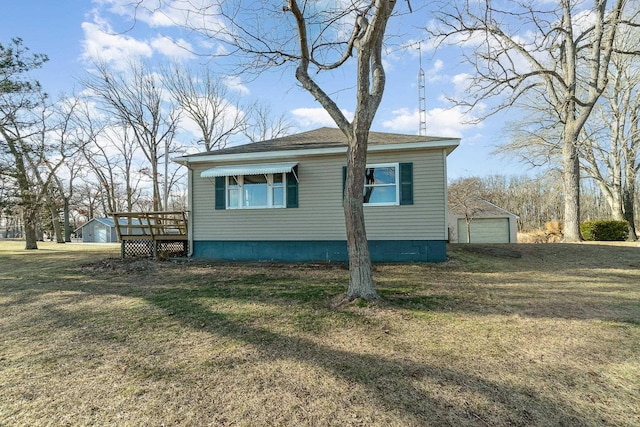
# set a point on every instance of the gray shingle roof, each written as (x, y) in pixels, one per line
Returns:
(320, 138)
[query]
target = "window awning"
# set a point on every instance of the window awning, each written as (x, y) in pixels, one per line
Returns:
(260, 169)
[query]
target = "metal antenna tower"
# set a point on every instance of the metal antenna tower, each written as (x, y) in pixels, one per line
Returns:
(422, 97)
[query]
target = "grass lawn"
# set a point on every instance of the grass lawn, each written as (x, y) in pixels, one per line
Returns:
(499, 335)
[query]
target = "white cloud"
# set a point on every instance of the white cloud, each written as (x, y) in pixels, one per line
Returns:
(176, 49)
(461, 83)
(316, 117)
(198, 14)
(446, 122)
(100, 43)
(433, 74)
(235, 83)
(405, 121)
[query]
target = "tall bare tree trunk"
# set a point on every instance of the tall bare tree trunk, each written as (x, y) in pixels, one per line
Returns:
(30, 228)
(571, 180)
(67, 226)
(360, 268)
(628, 202)
(55, 221)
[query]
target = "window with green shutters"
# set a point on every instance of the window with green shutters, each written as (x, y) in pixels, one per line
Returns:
(386, 184)
(278, 190)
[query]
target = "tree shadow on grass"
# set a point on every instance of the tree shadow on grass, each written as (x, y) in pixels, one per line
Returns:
(391, 382)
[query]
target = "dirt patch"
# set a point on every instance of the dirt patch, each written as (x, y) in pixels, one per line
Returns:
(121, 265)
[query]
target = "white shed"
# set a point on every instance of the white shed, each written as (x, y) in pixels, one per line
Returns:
(101, 230)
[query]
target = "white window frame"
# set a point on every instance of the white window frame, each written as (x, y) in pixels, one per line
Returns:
(396, 167)
(270, 187)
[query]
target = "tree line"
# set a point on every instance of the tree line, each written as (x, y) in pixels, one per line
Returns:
(108, 148)
(570, 70)
(536, 200)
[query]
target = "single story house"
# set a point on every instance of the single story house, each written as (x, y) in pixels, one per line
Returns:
(99, 230)
(489, 224)
(281, 199)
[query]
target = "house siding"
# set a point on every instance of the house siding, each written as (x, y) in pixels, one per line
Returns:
(320, 250)
(319, 216)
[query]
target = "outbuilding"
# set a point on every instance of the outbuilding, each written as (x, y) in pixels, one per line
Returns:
(99, 230)
(487, 223)
(281, 199)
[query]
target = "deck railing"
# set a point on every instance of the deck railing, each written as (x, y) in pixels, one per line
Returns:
(152, 233)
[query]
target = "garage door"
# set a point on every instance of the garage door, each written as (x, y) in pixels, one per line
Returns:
(485, 230)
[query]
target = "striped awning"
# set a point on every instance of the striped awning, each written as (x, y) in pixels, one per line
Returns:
(260, 169)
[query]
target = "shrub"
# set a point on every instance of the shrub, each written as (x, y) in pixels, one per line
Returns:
(604, 230)
(554, 227)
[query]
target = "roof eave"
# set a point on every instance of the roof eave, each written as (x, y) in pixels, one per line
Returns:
(447, 144)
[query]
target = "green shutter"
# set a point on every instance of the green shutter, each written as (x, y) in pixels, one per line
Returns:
(344, 179)
(220, 192)
(406, 183)
(292, 188)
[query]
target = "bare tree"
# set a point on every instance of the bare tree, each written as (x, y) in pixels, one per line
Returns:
(564, 58)
(206, 101)
(137, 99)
(612, 140)
(110, 153)
(262, 125)
(465, 198)
(315, 38)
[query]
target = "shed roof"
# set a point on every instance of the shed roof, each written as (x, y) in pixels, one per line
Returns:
(109, 222)
(487, 208)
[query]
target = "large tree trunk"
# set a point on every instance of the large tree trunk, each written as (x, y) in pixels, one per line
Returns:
(571, 179)
(57, 229)
(360, 268)
(156, 188)
(628, 201)
(30, 228)
(67, 226)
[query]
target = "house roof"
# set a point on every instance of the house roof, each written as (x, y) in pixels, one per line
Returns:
(324, 138)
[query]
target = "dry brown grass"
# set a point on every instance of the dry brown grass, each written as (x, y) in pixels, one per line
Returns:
(552, 233)
(499, 335)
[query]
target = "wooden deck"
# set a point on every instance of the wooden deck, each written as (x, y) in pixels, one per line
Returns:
(152, 234)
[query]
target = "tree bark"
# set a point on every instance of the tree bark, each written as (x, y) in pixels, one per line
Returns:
(30, 228)
(67, 226)
(55, 222)
(571, 179)
(366, 40)
(628, 201)
(360, 268)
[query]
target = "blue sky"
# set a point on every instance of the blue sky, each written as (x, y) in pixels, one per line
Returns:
(72, 31)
